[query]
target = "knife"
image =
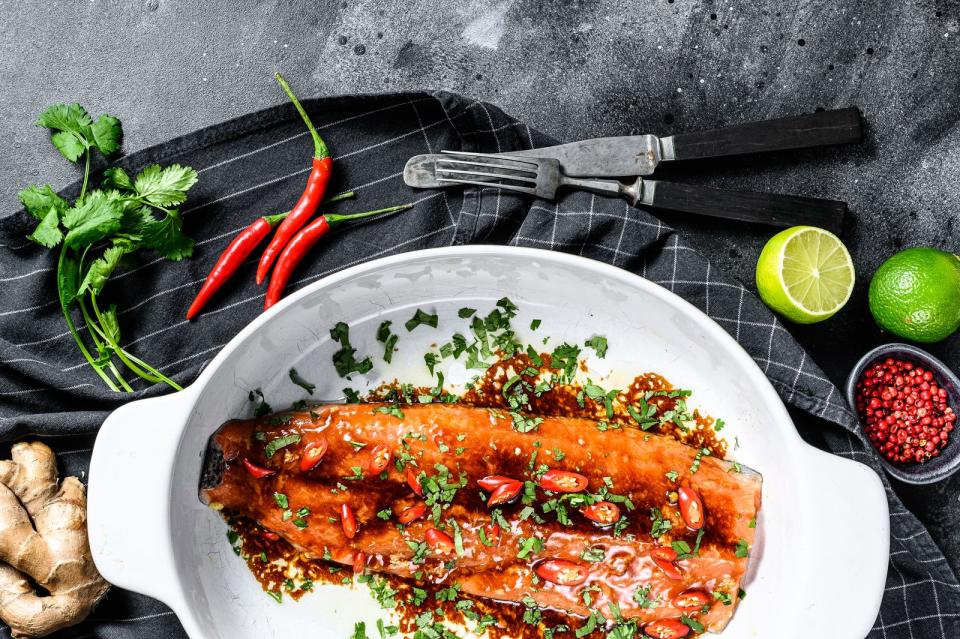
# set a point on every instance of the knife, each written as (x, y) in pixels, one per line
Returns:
(640, 154)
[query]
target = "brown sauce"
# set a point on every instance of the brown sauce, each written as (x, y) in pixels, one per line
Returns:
(284, 572)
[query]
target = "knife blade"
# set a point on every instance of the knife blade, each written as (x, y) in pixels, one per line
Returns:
(633, 155)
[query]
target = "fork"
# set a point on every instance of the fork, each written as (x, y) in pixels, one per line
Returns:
(543, 177)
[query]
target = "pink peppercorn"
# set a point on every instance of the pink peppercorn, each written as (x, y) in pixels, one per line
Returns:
(904, 411)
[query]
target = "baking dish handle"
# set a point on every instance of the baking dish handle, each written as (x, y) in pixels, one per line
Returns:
(128, 515)
(849, 545)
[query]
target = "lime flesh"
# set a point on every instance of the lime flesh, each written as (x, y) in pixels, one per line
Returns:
(805, 274)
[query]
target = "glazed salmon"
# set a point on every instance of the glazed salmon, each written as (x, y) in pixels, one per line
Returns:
(448, 493)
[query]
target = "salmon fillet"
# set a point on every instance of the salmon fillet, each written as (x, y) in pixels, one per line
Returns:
(444, 450)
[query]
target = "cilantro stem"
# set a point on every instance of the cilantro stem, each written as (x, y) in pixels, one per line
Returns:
(93, 329)
(73, 330)
(86, 174)
(151, 374)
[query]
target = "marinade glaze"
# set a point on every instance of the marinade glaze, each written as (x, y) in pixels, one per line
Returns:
(453, 445)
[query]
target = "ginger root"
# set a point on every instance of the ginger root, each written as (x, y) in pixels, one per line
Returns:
(43, 535)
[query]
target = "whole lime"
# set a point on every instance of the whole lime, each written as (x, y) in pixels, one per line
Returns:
(916, 294)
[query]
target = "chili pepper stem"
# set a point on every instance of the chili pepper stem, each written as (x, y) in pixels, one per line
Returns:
(319, 146)
(334, 218)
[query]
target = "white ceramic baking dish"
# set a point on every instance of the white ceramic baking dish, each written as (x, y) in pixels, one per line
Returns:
(818, 567)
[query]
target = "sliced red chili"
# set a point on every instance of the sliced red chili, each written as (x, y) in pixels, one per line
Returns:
(269, 535)
(413, 480)
(561, 572)
(668, 568)
(563, 481)
(604, 513)
(505, 493)
(492, 533)
(692, 599)
(412, 514)
(257, 471)
(439, 541)
(691, 508)
(491, 482)
(380, 458)
(348, 521)
(665, 553)
(312, 454)
(359, 562)
(666, 629)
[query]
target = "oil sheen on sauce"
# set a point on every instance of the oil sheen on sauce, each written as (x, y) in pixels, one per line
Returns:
(284, 572)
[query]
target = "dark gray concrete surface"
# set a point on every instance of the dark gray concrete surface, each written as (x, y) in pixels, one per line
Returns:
(572, 69)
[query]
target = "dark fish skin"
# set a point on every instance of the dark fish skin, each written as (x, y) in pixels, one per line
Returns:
(458, 445)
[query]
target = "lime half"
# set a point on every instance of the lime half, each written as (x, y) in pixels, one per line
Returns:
(805, 273)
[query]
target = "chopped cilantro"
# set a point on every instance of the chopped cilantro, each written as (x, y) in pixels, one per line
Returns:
(280, 442)
(388, 339)
(344, 360)
(301, 382)
(599, 344)
(421, 317)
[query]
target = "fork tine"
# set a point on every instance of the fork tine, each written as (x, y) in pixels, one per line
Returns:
(488, 165)
(502, 156)
(499, 176)
(496, 185)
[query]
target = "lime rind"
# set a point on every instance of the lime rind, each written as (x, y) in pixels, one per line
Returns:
(806, 274)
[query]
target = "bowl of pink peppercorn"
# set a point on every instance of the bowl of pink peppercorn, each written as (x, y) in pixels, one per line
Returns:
(905, 399)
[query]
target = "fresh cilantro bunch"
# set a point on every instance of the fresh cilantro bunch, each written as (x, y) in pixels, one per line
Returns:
(95, 233)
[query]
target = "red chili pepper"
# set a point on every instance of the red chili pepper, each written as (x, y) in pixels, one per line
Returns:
(237, 252)
(666, 553)
(312, 454)
(301, 244)
(563, 481)
(310, 199)
(348, 521)
(562, 572)
(380, 458)
(666, 629)
(413, 480)
(691, 507)
(359, 563)
(604, 513)
(257, 471)
(231, 259)
(505, 493)
(668, 568)
(269, 535)
(492, 531)
(691, 600)
(491, 482)
(412, 514)
(439, 541)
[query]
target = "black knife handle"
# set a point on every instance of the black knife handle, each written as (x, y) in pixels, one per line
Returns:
(827, 127)
(747, 206)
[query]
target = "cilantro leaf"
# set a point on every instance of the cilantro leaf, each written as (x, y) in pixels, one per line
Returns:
(297, 379)
(166, 236)
(599, 344)
(344, 360)
(68, 280)
(65, 117)
(70, 123)
(117, 178)
(38, 200)
(165, 186)
(94, 219)
(107, 132)
(100, 270)
(48, 233)
(420, 317)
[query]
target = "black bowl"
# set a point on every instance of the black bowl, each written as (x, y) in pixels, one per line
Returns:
(948, 461)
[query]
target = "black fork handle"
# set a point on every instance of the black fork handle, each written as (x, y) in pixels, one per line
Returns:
(827, 127)
(746, 206)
